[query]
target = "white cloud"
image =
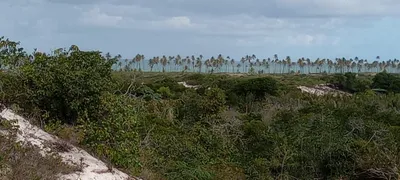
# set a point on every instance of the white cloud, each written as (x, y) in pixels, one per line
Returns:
(237, 24)
(179, 22)
(95, 17)
(306, 39)
(246, 30)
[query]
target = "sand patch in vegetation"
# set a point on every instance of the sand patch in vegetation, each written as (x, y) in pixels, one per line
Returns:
(88, 166)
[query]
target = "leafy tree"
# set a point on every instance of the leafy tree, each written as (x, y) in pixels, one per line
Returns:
(11, 55)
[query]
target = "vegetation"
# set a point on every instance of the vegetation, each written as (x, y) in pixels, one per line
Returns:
(254, 65)
(228, 127)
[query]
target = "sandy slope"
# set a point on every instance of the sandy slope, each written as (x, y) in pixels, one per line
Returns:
(93, 169)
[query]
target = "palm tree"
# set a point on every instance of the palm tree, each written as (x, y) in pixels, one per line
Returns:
(226, 62)
(120, 65)
(199, 63)
(207, 63)
(177, 61)
(137, 59)
(126, 62)
(330, 65)
(170, 59)
(157, 61)
(360, 64)
(243, 60)
(238, 67)
(353, 65)
(289, 63)
(300, 63)
(318, 63)
(308, 65)
(258, 64)
(188, 61)
(142, 59)
(193, 60)
(233, 65)
(284, 62)
(151, 64)
(164, 62)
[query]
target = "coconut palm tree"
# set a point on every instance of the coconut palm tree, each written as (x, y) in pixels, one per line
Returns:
(177, 61)
(288, 63)
(233, 65)
(238, 67)
(199, 64)
(308, 65)
(164, 62)
(151, 64)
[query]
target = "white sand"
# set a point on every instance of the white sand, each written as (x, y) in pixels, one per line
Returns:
(93, 169)
(322, 89)
(187, 85)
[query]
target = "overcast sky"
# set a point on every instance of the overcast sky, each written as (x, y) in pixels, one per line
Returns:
(309, 28)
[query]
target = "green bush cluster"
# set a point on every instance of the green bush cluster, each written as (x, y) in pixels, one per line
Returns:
(77, 88)
(250, 127)
(351, 83)
(387, 81)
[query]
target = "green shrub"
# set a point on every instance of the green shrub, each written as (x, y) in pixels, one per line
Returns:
(13, 90)
(168, 82)
(386, 81)
(350, 83)
(259, 87)
(165, 92)
(114, 136)
(68, 83)
(196, 108)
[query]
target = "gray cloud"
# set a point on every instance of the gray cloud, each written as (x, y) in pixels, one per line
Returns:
(267, 8)
(235, 23)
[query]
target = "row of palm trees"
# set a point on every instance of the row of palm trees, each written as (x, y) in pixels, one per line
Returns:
(252, 64)
(10, 51)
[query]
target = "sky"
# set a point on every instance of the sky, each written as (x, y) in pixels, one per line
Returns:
(235, 28)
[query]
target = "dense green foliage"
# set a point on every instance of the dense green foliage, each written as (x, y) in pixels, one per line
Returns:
(350, 83)
(387, 81)
(67, 84)
(253, 127)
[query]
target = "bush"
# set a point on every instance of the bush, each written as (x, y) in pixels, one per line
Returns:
(114, 137)
(13, 90)
(386, 81)
(165, 92)
(68, 84)
(259, 87)
(350, 83)
(170, 83)
(196, 108)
